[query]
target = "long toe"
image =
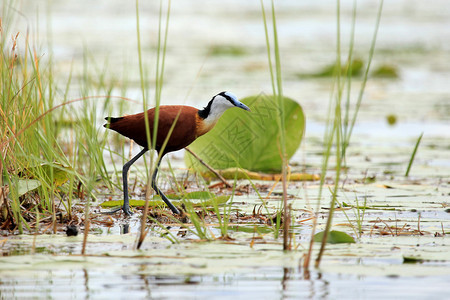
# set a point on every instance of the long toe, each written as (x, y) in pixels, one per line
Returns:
(127, 211)
(112, 211)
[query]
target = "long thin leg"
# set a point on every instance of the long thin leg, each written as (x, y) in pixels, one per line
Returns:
(126, 167)
(161, 194)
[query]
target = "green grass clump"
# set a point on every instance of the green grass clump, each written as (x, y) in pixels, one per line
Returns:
(341, 119)
(41, 136)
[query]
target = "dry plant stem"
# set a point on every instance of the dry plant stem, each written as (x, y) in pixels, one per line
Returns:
(33, 247)
(87, 220)
(143, 232)
(130, 153)
(287, 208)
(387, 225)
(271, 191)
(401, 230)
(86, 232)
(418, 225)
(287, 219)
(332, 206)
(209, 168)
(307, 257)
(53, 213)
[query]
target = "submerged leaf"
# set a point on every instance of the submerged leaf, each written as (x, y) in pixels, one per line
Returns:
(156, 202)
(260, 229)
(239, 173)
(386, 71)
(250, 140)
(353, 69)
(334, 237)
(193, 195)
(426, 256)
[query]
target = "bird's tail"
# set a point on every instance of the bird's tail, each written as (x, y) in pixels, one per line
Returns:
(111, 120)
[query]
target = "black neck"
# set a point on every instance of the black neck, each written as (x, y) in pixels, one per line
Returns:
(204, 113)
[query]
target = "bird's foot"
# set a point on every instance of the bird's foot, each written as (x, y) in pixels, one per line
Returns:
(127, 211)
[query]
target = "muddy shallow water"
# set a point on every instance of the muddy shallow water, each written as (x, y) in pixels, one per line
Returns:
(413, 37)
(373, 268)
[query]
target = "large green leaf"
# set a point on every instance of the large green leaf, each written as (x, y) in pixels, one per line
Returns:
(56, 172)
(251, 140)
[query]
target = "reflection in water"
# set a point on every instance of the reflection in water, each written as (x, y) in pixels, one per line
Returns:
(285, 279)
(136, 282)
(125, 228)
(86, 283)
(146, 282)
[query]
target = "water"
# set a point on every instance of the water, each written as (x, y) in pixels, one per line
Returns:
(265, 284)
(124, 280)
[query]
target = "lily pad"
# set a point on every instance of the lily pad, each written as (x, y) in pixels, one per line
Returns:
(334, 237)
(250, 140)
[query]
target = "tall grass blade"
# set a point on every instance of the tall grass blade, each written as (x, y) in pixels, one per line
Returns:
(340, 131)
(348, 134)
(413, 155)
(277, 88)
(336, 132)
(142, 78)
(160, 63)
(349, 75)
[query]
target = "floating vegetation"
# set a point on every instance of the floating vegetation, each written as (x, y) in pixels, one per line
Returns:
(197, 199)
(385, 71)
(391, 119)
(354, 68)
(227, 50)
(334, 237)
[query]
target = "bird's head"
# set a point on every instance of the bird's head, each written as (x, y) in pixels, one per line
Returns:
(218, 105)
(227, 100)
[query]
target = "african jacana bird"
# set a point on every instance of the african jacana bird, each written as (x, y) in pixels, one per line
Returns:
(190, 123)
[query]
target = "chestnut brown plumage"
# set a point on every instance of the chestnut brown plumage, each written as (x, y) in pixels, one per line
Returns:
(178, 126)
